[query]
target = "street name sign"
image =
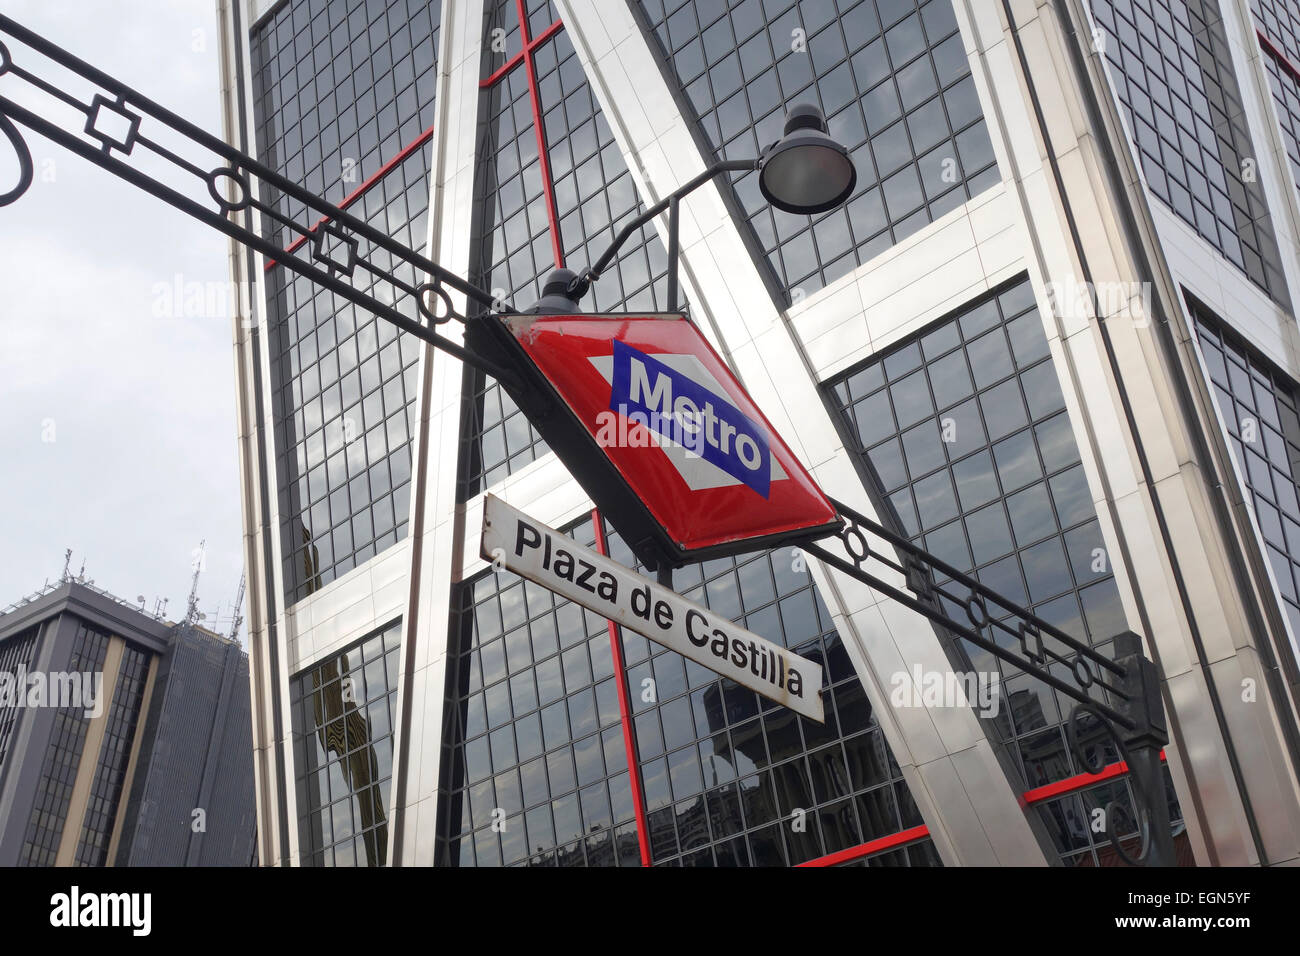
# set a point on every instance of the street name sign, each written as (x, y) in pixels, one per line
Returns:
(658, 431)
(543, 555)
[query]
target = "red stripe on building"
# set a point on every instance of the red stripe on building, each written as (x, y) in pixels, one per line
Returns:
(1031, 797)
(357, 193)
(1277, 53)
(515, 60)
(625, 715)
(874, 846)
(1079, 781)
(543, 161)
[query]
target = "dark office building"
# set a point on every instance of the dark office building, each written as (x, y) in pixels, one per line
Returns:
(125, 740)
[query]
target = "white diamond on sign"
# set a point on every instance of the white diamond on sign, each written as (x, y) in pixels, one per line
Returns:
(558, 563)
(696, 470)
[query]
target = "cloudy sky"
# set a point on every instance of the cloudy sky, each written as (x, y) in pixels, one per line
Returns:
(117, 409)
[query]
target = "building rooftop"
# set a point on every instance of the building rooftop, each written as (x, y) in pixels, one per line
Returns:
(81, 581)
(87, 586)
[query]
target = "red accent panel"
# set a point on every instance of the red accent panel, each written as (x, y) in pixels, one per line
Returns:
(625, 714)
(1071, 784)
(357, 193)
(515, 60)
(873, 846)
(1077, 782)
(544, 163)
(502, 70)
(1278, 54)
(546, 34)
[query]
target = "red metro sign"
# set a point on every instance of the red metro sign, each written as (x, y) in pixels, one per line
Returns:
(653, 424)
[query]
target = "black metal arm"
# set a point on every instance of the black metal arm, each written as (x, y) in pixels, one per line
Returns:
(582, 284)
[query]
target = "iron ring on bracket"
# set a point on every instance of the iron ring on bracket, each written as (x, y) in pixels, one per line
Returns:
(977, 611)
(24, 160)
(849, 536)
(243, 190)
(434, 288)
(6, 60)
(1094, 765)
(1082, 672)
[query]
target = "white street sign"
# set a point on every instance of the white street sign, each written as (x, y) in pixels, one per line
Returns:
(529, 548)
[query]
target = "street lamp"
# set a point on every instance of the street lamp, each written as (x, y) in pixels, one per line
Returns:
(557, 295)
(804, 172)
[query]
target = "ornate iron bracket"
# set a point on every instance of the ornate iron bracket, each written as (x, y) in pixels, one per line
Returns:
(1117, 701)
(222, 187)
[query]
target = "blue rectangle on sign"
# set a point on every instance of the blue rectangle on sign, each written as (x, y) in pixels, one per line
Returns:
(687, 412)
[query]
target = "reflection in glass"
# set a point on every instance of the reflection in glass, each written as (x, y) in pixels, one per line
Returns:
(1023, 519)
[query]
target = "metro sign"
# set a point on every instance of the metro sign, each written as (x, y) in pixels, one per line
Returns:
(656, 428)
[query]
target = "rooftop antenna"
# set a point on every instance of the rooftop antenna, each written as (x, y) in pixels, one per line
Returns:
(239, 607)
(67, 565)
(192, 615)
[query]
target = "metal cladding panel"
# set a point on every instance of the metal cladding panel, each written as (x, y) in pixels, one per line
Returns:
(191, 751)
(232, 814)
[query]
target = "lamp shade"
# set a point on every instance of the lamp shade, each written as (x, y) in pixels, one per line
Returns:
(806, 171)
(557, 295)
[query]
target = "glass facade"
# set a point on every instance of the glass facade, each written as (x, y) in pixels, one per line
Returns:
(546, 195)
(1285, 84)
(340, 88)
(1173, 74)
(59, 770)
(114, 755)
(1280, 19)
(1071, 818)
(343, 105)
(1279, 22)
(343, 710)
(961, 432)
(16, 654)
(1259, 409)
(734, 779)
(894, 82)
(963, 437)
(536, 769)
